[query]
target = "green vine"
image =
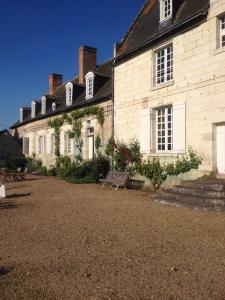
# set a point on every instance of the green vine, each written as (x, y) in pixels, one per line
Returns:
(75, 120)
(57, 124)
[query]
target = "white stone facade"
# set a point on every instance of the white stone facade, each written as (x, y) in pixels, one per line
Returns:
(31, 133)
(197, 90)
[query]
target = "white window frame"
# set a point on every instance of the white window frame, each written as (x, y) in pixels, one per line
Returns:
(21, 114)
(89, 85)
(69, 144)
(166, 10)
(53, 106)
(43, 105)
(222, 30)
(40, 144)
(164, 129)
(69, 94)
(163, 65)
(33, 109)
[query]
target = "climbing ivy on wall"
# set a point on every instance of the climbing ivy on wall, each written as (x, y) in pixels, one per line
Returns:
(75, 120)
(57, 123)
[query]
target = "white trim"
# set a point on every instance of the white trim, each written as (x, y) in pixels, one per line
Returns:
(43, 105)
(166, 10)
(21, 114)
(164, 129)
(69, 93)
(162, 63)
(222, 30)
(53, 106)
(89, 85)
(33, 109)
(41, 144)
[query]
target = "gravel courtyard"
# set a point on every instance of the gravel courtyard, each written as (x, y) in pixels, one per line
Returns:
(63, 241)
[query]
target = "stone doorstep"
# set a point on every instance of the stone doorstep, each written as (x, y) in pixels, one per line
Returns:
(211, 185)
(196, 194)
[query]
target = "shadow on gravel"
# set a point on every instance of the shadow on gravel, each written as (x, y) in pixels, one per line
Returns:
(7, 205)
(34, 179)
(4, 271)
(16, 187)
(17, 195)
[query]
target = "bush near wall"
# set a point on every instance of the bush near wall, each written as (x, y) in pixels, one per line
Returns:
(84, 172)
(158, 173)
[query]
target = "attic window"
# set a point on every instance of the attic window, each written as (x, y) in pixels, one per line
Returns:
(69, 93)
(53, 106)
(33, 109)
(43, 105)
(21, 115)
(89, 85)
(166, 9)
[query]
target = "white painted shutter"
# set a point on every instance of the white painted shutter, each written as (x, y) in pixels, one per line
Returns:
(37, 148)
(62, 145)
(31, 144)
(25, 146)
(48, 144)
(145, 130)
(65, 142)
(44, 144)
(179, 126)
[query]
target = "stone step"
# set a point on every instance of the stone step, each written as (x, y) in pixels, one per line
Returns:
(206, 185)
(188, 201)
(196, 192)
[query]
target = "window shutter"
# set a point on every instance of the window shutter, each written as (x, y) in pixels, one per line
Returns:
(48, 144)
(62, 145)
(44, 144)
(37, 146)
(179, 126)
(65, 142)
(25, 146)
(145, 131)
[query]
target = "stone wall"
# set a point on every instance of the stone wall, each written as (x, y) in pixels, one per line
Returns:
(199, 81)
(40, 128)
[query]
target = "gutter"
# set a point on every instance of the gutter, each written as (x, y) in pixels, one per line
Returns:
(145, 44)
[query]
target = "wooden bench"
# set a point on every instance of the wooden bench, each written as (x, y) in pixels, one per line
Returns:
(115, 178)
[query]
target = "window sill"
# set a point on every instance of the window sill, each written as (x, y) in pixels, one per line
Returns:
(219, 50)
(163, 85)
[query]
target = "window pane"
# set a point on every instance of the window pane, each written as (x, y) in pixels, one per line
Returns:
(164, 129)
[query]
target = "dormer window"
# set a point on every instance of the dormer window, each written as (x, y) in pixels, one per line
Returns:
(33, 109)
(69, 93)
(43, 105)
(89, 85)
(166, 9)
(53, 106)
(21, 114)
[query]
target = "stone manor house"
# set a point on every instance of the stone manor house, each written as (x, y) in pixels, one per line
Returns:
(165, 86)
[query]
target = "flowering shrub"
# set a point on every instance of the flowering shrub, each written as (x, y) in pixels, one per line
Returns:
(125, 156)
(158, 173)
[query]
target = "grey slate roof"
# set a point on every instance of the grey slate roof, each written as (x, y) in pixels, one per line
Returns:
(102, 92)
(147, 25)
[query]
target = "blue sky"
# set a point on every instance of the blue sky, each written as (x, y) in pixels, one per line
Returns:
(42, 37)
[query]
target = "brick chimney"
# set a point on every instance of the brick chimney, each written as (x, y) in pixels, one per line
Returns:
(54, 80)
(87, 61)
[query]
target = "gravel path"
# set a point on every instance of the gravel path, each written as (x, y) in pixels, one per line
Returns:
(63, 241)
